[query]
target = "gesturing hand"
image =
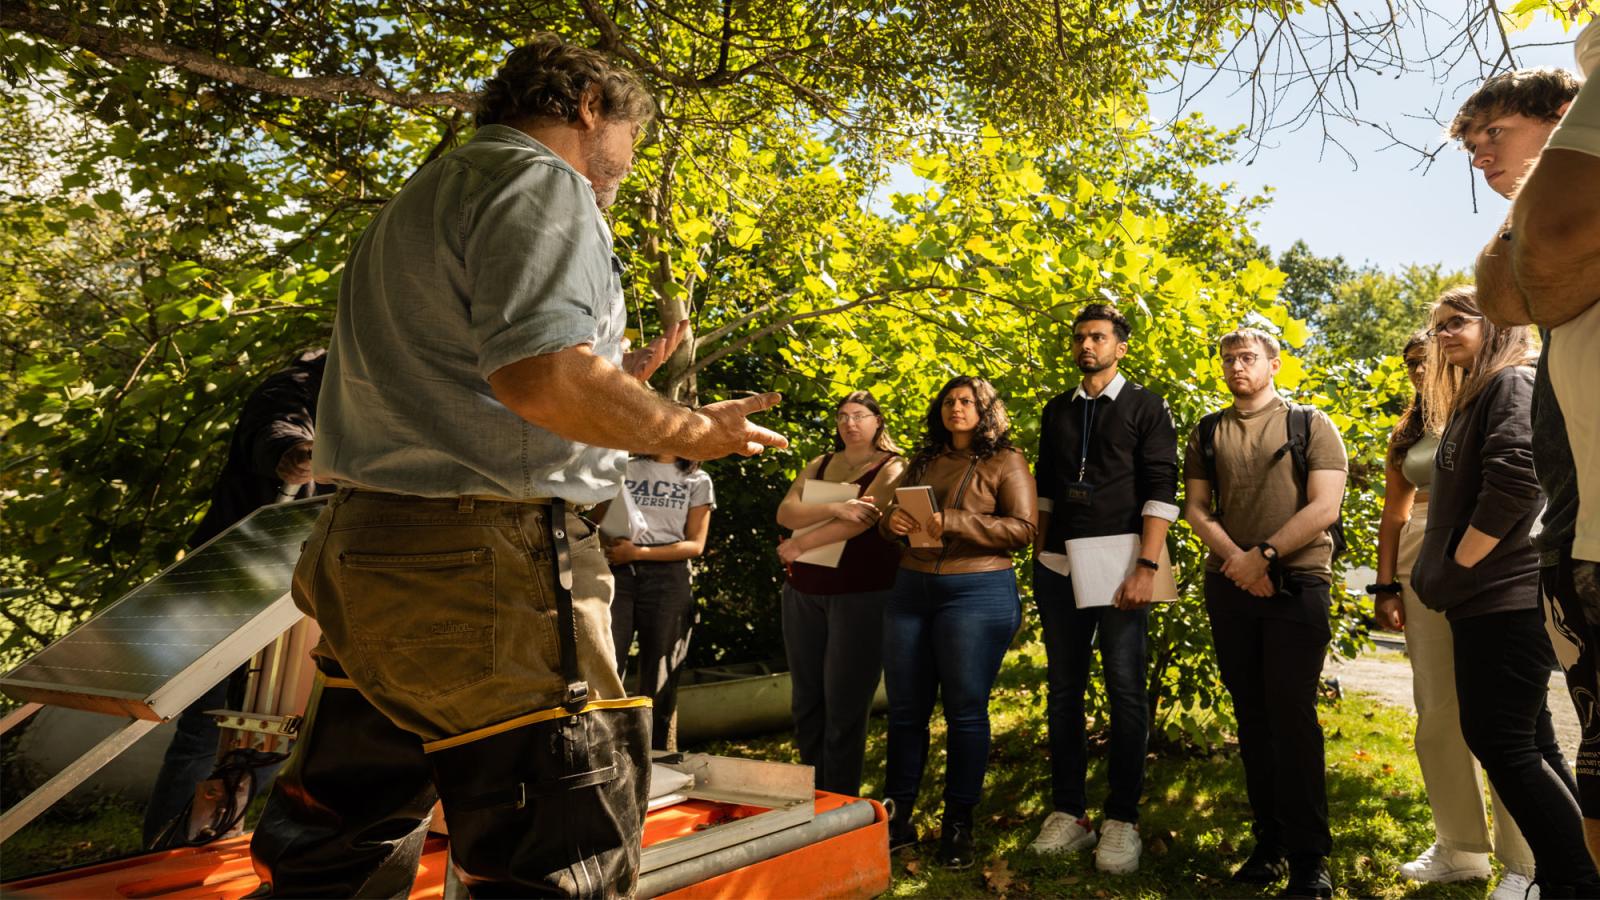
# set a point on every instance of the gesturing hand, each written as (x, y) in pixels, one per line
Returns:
(644, 362)
(730, 431)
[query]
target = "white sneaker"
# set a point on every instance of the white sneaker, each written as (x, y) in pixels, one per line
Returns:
(1063, 834)
(1515, 886)
(1441, 865)
(1119, 848)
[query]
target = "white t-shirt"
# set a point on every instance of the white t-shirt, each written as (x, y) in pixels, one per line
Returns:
(664, 494)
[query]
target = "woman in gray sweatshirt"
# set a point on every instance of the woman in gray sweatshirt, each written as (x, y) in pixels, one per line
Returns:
(1478, 568)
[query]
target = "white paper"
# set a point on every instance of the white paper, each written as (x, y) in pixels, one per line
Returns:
(818, 491)
(1100, 564)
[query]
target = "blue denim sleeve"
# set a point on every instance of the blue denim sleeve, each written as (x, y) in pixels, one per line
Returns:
(538, 265)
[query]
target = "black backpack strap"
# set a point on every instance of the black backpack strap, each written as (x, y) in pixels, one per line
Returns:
(1208, 455)
(1298, 444)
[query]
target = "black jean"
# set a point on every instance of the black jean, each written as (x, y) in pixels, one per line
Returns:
(1272, 668)
(834, 645)
(1503, 663)
(655, 601)
(1070, 635)
(1570, 622)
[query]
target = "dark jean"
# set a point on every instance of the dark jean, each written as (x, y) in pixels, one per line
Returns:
(192, 756)
(655, 601)
(1272, 668)
(834, 644)
(1069, 638)
(1503, 663)
(1569, 619)
(943, 638)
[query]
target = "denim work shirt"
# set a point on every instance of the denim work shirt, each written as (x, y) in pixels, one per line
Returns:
(491, 254)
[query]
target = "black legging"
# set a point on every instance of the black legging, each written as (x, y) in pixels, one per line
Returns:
(1503, 664)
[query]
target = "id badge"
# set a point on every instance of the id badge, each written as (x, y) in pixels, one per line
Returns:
(1080, 493)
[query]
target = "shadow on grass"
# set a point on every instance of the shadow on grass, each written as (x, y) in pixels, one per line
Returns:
(1196, 816)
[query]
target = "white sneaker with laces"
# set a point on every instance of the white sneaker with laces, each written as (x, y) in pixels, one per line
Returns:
(1515, 886)
(1063, 834)
(1441, 865)
(1119, 849)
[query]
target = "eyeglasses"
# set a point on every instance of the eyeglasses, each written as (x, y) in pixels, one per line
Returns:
(1239, 359)
(847, 418)
(1452, 325)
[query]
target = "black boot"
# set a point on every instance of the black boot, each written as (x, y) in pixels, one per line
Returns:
(346, 817)
(901, 832)
(1266, 865)
(956, 850)
(1308, 877)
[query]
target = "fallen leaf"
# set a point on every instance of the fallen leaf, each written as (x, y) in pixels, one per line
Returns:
(914, 867)
(1071, 879)
(998, 877)
(1158, 847)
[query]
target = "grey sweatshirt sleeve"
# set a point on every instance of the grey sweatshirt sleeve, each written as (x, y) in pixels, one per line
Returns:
(1510, 491)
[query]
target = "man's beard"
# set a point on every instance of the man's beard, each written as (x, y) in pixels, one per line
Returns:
(605, 176)
(1091, 368)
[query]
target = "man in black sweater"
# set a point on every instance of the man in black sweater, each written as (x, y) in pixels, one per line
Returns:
(1108, 465)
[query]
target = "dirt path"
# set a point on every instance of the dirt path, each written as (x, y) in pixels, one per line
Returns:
(1386, 674)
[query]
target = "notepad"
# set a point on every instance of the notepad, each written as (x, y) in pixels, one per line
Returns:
(1100, 564)
(817, 491)
(919, 501)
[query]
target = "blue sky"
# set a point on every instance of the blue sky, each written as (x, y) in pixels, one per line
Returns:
(1381, 208)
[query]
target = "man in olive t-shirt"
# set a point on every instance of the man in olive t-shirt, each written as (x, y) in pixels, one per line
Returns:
(1267, 593)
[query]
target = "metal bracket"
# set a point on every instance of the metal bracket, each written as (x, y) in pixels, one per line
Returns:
(257, 723)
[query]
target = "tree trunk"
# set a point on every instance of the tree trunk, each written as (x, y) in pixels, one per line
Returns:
(671, 302)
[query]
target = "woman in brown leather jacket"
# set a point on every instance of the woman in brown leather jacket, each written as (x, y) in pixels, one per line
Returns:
(954, 609)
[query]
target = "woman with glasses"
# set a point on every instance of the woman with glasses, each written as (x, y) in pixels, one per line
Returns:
(955, 607)
(833, 614)
(1478, 568)
(1455, 785)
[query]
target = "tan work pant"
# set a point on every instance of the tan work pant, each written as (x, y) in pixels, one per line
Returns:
(1574, 362)
(1449, 771)
(442, 611)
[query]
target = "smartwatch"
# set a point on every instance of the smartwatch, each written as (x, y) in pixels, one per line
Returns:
(1150, 564)
(1392, 587)
(1268, 552)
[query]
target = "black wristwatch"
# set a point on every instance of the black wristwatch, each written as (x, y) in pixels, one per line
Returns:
(1150, 564)
(1392, 587)
(1268, 552)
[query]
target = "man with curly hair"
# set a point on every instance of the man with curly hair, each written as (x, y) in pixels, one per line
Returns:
(477, 387)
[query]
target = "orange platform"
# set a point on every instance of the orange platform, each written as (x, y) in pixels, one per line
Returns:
(849, 865)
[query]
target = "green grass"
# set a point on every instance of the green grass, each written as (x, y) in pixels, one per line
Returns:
(1195, 817)
(1195, 814)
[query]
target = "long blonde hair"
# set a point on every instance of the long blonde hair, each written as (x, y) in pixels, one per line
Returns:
(1501, 349)
(1430, 404)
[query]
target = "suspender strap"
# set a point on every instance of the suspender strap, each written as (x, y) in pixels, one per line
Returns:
(566, 621)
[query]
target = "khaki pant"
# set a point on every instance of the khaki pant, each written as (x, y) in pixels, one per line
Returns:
(442, 611)
(1574, 362)
(1449, 771)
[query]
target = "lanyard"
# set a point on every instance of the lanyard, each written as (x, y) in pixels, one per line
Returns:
(1088, 424)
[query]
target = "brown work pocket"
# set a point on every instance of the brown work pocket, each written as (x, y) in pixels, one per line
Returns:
(420, 623)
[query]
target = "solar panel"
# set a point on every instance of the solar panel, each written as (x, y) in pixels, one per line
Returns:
(153, 652)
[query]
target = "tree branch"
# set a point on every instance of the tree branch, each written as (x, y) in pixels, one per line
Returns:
(114, 42)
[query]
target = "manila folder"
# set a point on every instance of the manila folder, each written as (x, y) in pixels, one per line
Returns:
(818, 491)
